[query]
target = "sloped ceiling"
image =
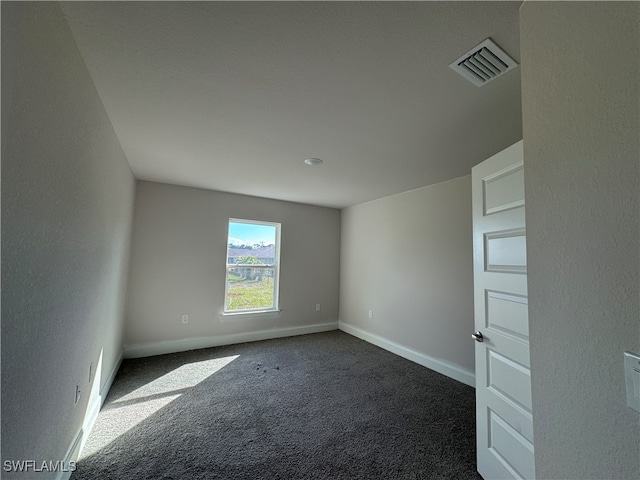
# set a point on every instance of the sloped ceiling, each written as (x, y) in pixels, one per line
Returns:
(233, 96)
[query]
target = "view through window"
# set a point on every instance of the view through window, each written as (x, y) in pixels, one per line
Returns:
(252, 266)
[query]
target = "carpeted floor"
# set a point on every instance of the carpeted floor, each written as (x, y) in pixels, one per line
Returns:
(322, 406)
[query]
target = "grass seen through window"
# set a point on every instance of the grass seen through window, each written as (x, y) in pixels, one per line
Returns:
(243, 293)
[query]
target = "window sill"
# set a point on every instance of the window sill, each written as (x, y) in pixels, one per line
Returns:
(230, 316)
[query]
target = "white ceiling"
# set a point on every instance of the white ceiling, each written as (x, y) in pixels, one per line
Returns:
(233, 96)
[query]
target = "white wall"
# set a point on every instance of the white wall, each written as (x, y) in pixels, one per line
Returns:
(178, 267)
(67, 206)
(409, 259)
(580, 83)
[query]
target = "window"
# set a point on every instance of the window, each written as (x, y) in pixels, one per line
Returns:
(253, 263)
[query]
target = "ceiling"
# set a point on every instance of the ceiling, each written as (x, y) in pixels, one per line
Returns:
(233, 96)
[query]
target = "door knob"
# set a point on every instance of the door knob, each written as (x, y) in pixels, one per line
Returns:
(477, 337)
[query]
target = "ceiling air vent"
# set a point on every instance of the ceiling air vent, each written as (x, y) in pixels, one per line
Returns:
(483, 63)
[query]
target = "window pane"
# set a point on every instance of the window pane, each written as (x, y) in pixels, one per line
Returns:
(251, 236)
(264, 255)
(252, 266)
(250, 288)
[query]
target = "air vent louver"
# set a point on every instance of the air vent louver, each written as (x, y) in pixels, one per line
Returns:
(483, 63)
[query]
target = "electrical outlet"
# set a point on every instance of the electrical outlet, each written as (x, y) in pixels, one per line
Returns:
(370, 313)
(317, 307)
(77, 398)
(185, 318)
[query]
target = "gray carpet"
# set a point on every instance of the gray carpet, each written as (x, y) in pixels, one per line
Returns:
(321, 406)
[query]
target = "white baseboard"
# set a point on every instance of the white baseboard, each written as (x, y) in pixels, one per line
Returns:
(70, 458)
(93, 409)
(89, 420)
(440, 366)
(195, 343)
(96, 402)
(97, 397)
(112, 376)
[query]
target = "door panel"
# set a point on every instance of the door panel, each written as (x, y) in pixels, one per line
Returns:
(503, 190)
(508, 314)
(519, 418)
(503, 376)
(510, 448)
(509, 378)
(506, 251)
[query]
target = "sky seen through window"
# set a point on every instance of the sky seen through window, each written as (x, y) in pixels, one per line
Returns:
(251, 234)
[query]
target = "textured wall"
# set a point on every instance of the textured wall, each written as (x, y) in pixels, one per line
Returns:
(179, 256)
(580, 79)
(67, 206)
(408, 258)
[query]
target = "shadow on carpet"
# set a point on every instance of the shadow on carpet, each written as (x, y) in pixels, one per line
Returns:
(321, 406)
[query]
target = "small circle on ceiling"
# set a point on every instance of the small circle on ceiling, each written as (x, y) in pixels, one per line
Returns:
(313, 162)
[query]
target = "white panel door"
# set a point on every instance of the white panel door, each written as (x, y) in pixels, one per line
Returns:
(503, 375)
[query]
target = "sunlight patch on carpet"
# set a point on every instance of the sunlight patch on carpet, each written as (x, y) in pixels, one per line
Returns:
(121, 415)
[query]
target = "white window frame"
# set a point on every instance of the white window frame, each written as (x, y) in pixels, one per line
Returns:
(275, 266)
